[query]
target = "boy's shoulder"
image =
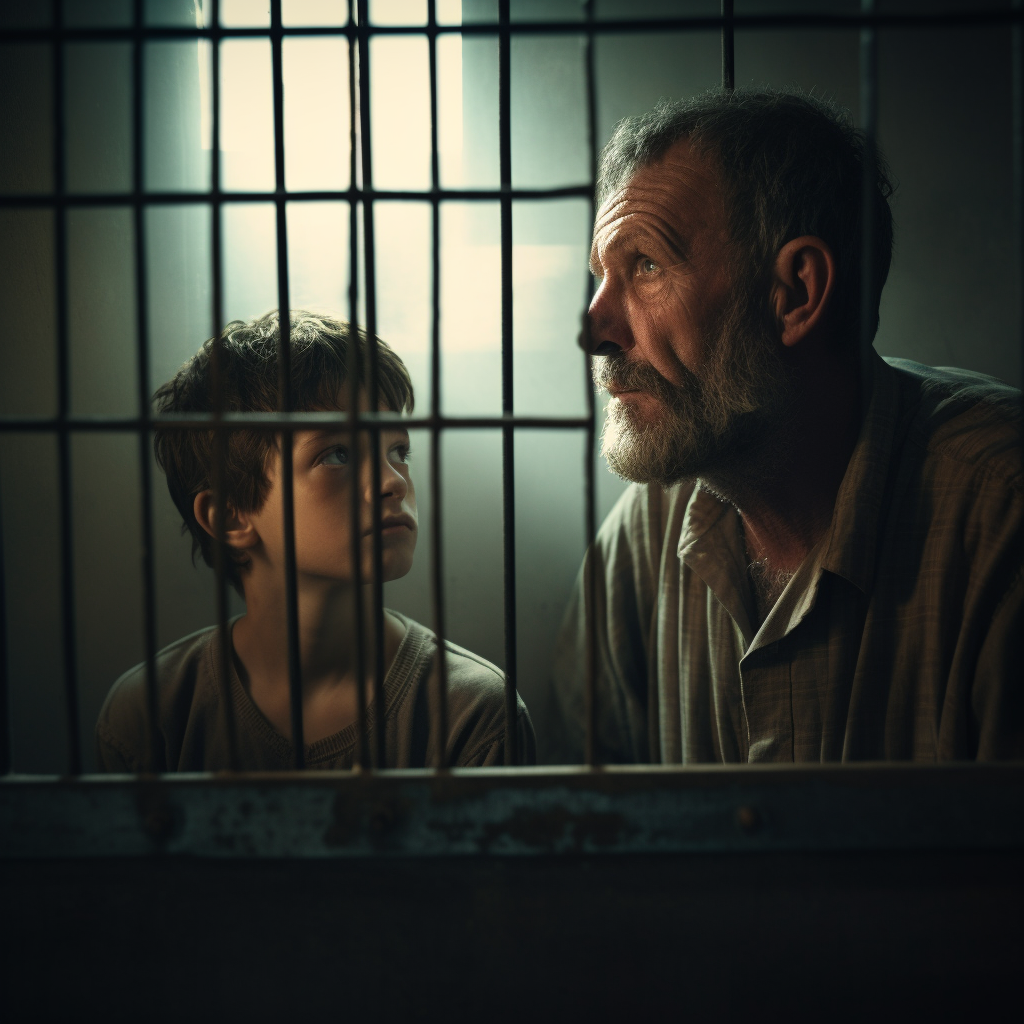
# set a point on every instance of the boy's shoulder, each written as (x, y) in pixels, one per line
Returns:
(476, 701)
(122, 726)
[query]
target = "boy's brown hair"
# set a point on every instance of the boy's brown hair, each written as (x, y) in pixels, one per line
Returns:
(248, 371)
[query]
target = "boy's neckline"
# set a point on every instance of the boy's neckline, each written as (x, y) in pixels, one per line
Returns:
(398, 678)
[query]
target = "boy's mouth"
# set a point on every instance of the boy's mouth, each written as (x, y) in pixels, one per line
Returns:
(391, 524)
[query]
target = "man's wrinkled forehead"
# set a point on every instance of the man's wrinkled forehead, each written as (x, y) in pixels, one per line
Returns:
(679, 194)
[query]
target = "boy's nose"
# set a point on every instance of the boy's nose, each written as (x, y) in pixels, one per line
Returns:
(392, 483)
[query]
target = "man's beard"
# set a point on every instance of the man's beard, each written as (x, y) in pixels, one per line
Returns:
(716, 420)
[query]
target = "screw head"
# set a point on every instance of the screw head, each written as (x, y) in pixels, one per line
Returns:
(748, 819)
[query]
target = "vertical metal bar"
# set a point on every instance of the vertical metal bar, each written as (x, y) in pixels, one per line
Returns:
(508, 434)
(60, 255)
(590, 435)
(728, 47)
(142, 338)
(284, 368)
(5, 695)
(869, 175)
(1017, 107)
(372, 385)
(440, 697)
(355, 375)
(220, 437)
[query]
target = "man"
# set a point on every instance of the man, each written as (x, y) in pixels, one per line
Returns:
(821, 558)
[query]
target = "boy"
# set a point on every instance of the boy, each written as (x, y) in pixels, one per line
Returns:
(191, 718)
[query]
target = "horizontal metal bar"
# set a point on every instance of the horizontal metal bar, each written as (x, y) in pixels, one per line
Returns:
(35, 200)
(612, 26)
(281, 421)
(516, 812)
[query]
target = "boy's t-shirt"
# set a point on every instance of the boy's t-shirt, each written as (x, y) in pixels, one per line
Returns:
(192, 714)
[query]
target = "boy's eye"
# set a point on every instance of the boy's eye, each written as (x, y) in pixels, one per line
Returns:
(336, 457)
(401, 453)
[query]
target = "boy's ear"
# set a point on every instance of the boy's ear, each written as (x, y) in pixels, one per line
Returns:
(239, 530)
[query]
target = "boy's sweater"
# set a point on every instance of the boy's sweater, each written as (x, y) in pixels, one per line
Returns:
(192, 716)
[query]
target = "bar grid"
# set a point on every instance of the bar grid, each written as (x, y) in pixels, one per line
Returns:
(361, 196)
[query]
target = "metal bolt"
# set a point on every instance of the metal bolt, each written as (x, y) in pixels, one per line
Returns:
(748, 819)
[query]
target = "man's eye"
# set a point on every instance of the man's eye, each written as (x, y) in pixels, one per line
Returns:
(646, 266)
(336, 457)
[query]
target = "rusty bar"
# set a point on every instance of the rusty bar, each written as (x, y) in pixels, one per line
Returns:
(590, 433)
(869, 126)
(502, 812)
(284, 365)
(60, 255)
(221, 438)
(355, 374)
(508, 483)
(607, 26)
(87, 199)
(440, 697)
(5, 692)
(728, 47)
(145, 410)
(372, 389)
(280, 421)
(1017, 129)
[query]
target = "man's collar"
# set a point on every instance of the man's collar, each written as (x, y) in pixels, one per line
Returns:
(849, 546)
(852, 539)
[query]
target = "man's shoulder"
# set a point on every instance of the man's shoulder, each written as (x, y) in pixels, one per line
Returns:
(966, 419)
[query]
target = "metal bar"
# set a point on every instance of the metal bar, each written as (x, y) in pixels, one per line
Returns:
(590, 434)
(280, 421)
(5, 692)
(1017, 101)
(355, 375)
(609, 26)
(728, 47)
(48, 200)
(508, 483)
(221, 438)
(372, 388)
(519, 812)
(439, 721)
(142, 349)
(869, 174)
(284, 366)
(67, 577)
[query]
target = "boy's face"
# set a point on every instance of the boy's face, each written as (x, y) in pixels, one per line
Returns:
(325, 469)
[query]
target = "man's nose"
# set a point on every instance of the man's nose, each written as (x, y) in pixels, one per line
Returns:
(605, 328)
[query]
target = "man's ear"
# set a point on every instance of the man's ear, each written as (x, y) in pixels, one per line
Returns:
(805, 277)
(239, 530)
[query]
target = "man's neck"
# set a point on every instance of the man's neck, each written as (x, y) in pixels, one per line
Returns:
(786, 492)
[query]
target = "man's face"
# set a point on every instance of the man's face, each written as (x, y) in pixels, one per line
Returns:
(697, 374)
(324, 473)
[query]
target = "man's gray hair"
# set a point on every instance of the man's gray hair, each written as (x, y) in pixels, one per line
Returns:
(790, 165)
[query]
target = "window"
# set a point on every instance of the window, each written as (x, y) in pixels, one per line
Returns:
(116, 219)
